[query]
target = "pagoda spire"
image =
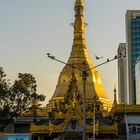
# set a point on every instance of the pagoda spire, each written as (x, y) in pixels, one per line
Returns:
(79, 52)
(115, 96)
(79, 25)
(79, 20)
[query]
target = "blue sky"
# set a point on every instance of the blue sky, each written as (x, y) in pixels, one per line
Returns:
(31, 28)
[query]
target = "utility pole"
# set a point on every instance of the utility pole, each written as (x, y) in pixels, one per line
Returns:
(84, 78)
(94, 119)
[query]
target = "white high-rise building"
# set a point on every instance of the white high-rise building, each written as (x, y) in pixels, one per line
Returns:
(137, 70)
(122, 75)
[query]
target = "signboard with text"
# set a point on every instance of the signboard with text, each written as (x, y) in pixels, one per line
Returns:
(15, 137)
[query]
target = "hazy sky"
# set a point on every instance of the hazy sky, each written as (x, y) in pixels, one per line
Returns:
(31, 28)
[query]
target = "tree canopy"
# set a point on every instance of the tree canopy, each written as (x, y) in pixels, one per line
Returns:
(17, 98)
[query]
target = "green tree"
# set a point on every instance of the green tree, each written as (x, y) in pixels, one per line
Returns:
(23, 92)
(4, 88)
(17, 98)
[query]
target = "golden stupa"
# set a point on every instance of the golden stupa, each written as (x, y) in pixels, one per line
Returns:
(78, 55)
(65, 108)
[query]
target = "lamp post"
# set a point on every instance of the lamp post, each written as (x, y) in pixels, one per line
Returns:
(84, 78)
(93, 137)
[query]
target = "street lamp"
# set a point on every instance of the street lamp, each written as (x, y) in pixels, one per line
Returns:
(84, 78)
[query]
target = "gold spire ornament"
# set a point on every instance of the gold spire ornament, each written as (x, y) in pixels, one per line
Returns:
(115, 96)
(79, 55)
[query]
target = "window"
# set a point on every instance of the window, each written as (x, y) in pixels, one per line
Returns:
(138, 129)
(134, 130)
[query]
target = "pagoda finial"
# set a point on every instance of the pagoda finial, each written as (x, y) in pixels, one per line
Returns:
(79, 7)
(79, 44)
(79, 3)
(79, 52)
(115, 96)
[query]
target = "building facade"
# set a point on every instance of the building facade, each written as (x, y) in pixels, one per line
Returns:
(137, 69)
(132, 50)
(122, 76)
(128, 118)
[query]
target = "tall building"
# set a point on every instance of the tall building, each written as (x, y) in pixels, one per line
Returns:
(122, 76)
(133, 50)
(137, 69)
